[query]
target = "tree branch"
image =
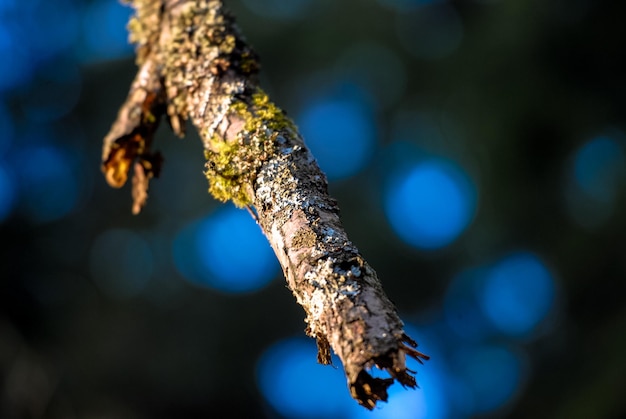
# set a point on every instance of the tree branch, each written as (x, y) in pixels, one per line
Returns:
(194, 64)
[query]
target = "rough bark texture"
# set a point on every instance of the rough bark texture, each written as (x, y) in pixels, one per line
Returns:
(194, 64)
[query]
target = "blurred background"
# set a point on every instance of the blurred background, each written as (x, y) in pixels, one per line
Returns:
(477, 150)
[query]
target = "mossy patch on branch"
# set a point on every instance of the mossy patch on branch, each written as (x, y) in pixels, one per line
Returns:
(233, 163)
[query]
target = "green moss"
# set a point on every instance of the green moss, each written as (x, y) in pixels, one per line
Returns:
(224, 190)
(227, 172)
(268, 114)
(232, 165)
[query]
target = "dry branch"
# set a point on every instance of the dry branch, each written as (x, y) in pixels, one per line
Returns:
(194, 64)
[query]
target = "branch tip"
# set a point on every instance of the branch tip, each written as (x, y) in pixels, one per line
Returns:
(367, 390)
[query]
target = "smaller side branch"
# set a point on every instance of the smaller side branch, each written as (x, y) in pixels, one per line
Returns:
(129, 140)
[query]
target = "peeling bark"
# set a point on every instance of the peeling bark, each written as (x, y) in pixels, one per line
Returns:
(194, 64)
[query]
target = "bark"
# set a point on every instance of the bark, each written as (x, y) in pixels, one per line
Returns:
(194, 64)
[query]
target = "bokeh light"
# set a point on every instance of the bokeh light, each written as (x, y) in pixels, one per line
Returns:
(494, 375)
(430, 32)
(225, 251)
(518, 293)
(104, 31)
(512, 296)
(595, 180)
(30, 34)
(297, 386)
(6, 128)
(600, 168)
(54, 91)
(431, 204)
(15, 71)
(49, 185)
(462, 306)
(49, 27)
(121, 263)
(340, 133)
(278, 9)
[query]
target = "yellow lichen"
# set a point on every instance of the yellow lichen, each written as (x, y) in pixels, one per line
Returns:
(266, 110)
(233, 164)
(144, 27)
(228, 45)
(135, 31)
